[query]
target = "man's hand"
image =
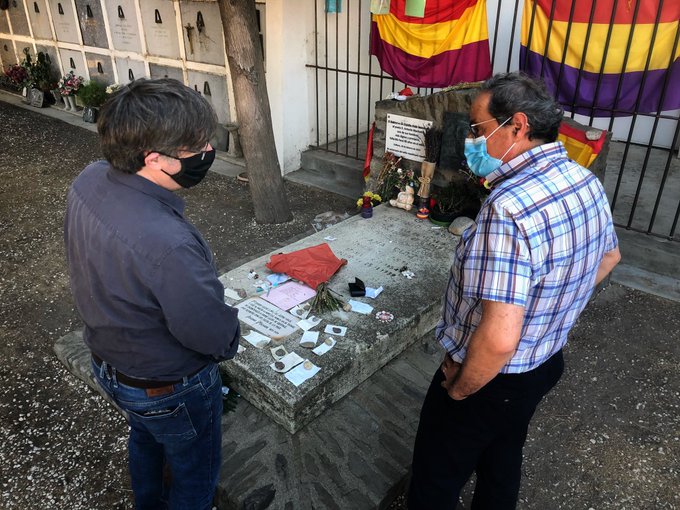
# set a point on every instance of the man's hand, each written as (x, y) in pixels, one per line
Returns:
(450, 370)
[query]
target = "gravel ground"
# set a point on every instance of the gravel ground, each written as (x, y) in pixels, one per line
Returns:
(607, 437)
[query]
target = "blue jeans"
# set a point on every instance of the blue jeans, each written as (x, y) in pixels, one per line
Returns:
(179, 433)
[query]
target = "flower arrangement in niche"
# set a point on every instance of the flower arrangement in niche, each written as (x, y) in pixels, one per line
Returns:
(70, 84)
(16, 76)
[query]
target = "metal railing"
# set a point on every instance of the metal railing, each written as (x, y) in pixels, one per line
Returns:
(643, 176)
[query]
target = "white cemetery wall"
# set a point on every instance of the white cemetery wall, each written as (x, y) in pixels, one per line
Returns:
(214, 88)
(130, 69)
(72, 60)
(100, 68)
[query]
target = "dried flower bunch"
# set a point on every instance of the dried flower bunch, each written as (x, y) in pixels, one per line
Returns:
(393, 178)
(68, 85)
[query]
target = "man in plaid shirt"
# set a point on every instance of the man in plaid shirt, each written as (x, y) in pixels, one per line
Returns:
(521, 276)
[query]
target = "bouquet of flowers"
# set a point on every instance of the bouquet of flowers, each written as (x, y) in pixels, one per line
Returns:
(373, 198)
(113, 88)
(17, 75)
(68, 85)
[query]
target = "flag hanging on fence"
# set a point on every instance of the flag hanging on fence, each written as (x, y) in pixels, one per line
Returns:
(449, 45)
(554, 31)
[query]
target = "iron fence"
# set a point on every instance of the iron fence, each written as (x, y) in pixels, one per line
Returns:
(643, 176)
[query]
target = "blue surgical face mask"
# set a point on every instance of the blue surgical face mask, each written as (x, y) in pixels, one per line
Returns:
(478, 159)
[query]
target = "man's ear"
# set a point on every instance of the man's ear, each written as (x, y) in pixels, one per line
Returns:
(520, 124)
(152, 160)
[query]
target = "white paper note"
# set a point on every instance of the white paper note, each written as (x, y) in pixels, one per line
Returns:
(359, 307)
(332, 329)
(257, 339)
(324, 347)
(289, 361)
(309, 339)
(300, 374)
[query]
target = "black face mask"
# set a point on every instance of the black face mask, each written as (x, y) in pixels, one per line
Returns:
(194, 168)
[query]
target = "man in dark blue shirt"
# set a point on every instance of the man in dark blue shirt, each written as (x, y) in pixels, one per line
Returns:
(144, 282)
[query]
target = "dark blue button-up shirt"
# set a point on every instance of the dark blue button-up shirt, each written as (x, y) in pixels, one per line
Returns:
(143, 278)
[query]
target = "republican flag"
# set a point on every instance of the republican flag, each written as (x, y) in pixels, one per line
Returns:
(599, 65)
(448, 45)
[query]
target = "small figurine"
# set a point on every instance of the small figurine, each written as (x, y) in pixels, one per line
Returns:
(404, 199)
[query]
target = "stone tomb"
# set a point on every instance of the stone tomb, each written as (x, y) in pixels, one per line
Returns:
(377, 250)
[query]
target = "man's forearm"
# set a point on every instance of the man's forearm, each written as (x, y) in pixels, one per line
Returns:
(492, 344)
(482, 363)
(609, 261)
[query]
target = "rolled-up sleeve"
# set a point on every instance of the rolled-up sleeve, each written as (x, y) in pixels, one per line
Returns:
(192, 300)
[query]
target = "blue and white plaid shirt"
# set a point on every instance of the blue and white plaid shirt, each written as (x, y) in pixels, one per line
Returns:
(538, 241)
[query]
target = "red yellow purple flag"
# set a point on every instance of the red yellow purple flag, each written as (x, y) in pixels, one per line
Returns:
(604, 55)
(449, 45)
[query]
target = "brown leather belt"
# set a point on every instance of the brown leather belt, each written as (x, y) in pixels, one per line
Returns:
(139, 383)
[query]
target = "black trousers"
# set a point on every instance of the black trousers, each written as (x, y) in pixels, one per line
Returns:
(484, 433)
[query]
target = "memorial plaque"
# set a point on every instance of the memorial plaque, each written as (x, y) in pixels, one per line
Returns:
(17, 16)
(72, 60)
(124, 25)
(266, 318)
(92, 23)
(51, 51)
(64, 19)
(160, 28)
(404, 136)
(7, 54)
(129, 70)
(36, 98)
(40, 21)
(157, 71)
(214, 88)
(202, 32)
(100, 67)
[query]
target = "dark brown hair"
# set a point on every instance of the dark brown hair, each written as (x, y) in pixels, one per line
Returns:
(153, 115)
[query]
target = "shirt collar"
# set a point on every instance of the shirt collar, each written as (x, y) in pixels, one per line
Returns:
(147, 187)
(527, 159)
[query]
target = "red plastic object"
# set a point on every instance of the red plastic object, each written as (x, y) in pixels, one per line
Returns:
(312, 266)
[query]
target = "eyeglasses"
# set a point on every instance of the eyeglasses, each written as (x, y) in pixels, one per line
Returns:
(195, 153)
(473, 127)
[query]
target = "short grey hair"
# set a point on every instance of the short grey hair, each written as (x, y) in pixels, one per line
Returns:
(161, 115)
(516, 92)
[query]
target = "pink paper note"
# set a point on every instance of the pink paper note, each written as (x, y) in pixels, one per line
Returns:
(289, 294)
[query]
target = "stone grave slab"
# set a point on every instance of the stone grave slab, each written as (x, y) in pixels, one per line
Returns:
(160, 28)
(40, 21)
(214, 88)
(202, 28)
(72, 60)
(130, 69)
(7, 54)
(124, 26)
(377, 250)
(4, 24)
(101, 68)
(64, 20)
(17, 16)
(91, 20)
(158, 71)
